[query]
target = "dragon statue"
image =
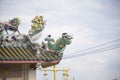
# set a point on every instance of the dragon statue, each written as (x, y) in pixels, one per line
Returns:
(60, 44)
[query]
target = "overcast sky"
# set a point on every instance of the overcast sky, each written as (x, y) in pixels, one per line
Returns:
(91, 22)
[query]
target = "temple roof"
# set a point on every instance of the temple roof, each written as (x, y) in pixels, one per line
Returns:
(15, 54)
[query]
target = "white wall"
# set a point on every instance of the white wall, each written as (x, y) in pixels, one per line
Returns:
(32, 74)
(27, 73)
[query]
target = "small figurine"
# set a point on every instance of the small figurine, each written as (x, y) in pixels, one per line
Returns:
(38, 24)
(50, 42)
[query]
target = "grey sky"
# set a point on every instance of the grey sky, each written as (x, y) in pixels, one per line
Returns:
(92, 22)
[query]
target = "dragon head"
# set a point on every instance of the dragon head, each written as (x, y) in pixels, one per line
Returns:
(67, 38)
(15, 21)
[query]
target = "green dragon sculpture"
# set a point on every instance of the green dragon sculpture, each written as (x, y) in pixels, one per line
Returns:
(60, 44)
